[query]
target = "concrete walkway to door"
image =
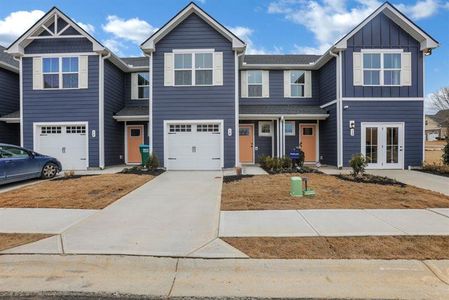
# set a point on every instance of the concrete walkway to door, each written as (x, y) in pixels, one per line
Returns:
(175, 214)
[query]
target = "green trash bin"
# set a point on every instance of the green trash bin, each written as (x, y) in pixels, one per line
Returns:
(144, 152)
(296, 186)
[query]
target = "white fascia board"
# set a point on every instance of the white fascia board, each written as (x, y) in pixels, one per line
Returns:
(131, 118)
(9, 67)
(286, 116)
(10, 120)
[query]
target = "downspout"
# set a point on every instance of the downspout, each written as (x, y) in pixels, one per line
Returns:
(339, 110)
(150, 105)
(20, 99)
(101, 109)
(237, 110)
(283, 135)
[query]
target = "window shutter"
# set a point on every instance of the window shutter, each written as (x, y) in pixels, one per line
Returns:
(37, 73)
(308, 84)
(287, 89)
(134, 87)
(168, 69)
(265, 84)
(357, 66)
(244, 84)
(406, 70)
(83, 69)
(218, 68)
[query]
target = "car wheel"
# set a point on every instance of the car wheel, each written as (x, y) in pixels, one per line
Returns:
(49, 171)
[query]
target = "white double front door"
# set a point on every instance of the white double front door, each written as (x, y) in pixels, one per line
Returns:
(383, 145)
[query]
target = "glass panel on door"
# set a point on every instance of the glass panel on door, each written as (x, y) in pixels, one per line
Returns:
(371, 145)
(392, 143)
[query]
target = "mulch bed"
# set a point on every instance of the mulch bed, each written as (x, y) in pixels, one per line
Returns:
(367, 178)
(141, 171)
(233, 178)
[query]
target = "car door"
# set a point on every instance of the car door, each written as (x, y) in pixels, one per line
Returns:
(2, 168)
(19, 164)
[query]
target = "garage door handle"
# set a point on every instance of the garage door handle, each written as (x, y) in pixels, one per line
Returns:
(215, 158)
(194, 149)
(171, 158)
(63, 149)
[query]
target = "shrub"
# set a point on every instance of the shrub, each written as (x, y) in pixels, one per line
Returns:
(445, 155)
(358, 164)
(152, 162)
(286, 163)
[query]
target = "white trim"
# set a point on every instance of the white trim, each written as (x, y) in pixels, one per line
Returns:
(142, 133)
(150, 44)
(21, 100)
(55, 37)
(290, 84)
(66, 54)
(61, 73)
(317, 139)
(254, 142)
(294, 128)
(150, 106)
(293, 116)
(248, 84)
(192, 51)
(83, 123)
(100, 112)
(278, 138)
(340, 147)
(259, 127)
(125, 142)
(328, 104)
(381, 68)
(130, 118)
(236, 109)
(222, 129)
(383, 99)
(9, 67)
(423, 109)
(10, 120)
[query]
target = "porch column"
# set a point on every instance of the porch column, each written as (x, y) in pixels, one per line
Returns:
(283, 135)
(278, 144)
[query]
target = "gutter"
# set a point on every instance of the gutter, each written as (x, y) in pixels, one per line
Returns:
(101, 109)
(339, 109)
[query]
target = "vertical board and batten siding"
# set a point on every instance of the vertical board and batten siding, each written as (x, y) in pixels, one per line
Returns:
(61, 45)
(114, 89)
(276, 81)
(194, 103)
(62, 106)
(328, 137)
(383, 33)
(9, 102)
(409, 112)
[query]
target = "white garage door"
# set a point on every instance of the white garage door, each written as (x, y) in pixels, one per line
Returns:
(67, 143)
(193, 146)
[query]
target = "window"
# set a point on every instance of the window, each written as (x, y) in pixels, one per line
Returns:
(382, 69)
(13, 152)
(180, 128)
(76, 129)
(193, 69)
(289, 128)
(243, 131)
(143, 85)
(50, 129)
(60, 72)
(297, 83)
(254, 83)
(134, 132)
(208, 128)
(307, 131)
(265, 128)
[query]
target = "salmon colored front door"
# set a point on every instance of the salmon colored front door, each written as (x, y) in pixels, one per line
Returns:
(246, 133)
(308, 141)
(135, 138)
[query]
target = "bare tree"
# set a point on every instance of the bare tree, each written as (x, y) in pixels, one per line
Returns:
(440, 99)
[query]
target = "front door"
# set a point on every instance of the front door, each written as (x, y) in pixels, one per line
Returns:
(308, 141)
(383, 145)
(135, 139)
(246, 143)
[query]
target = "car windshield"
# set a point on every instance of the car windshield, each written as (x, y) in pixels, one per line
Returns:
(13, 152)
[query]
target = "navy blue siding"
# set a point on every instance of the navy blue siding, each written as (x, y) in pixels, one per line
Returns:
(127, 94)
(262, 144)
(328, 137)
(409, 112)
(277, 92)
(66, 45)
(381, 32)
(328, 82)
(10, 102)
(62, 106)
(114, 81)
(194, 103)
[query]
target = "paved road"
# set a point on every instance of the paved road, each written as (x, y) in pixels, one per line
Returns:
(168, 277)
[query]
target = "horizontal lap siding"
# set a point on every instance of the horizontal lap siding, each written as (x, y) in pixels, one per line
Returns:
(62, 45)
(127, 94)
(114, 81)
(194, 103)
(409, 112)
(276, 80)
(327, 82)
(62, 106)
(9, 102)
(381, 32)
(328, 137)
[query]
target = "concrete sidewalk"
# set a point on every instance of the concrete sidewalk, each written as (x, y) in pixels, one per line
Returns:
(334, 222)
(167, 277)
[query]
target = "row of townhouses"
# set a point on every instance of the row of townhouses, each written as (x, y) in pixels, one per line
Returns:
(201, 103)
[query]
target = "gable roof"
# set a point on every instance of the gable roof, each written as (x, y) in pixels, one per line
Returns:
(426, 41)
(150, 44)
(7, 61)
(17, 47)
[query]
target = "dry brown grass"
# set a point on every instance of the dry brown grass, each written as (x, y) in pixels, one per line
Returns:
(273, 192)
(11, 240)
(86, 192)
(434, 157)
(375, 247)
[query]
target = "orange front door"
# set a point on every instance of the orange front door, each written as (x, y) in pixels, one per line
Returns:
(308, 142)
(246, 133)
(135, 138)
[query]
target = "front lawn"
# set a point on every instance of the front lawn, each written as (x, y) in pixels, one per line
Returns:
(11, 240)
(85, 192)
(273, 192)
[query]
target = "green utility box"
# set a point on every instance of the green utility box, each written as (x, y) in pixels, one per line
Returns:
(296, 187)
(144, 153)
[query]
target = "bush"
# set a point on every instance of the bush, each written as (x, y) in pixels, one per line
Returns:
(445, 155)
(358, 164)
(152, 162)
(286, 163)
(437, 169)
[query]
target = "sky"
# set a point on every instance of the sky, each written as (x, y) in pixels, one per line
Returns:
(267, 26)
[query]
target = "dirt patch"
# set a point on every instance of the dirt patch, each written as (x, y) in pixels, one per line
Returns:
(11, 240)
(375, 247)
(273, 192)
(84, 192)
(232, 178)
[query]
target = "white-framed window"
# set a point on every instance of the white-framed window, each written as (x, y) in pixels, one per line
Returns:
(60, 72)
(297, 84)
(143, 85)
(381, 68)
(290, 128)
(195, 68)
(265, 128)
(255, 83)
(180, 128)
